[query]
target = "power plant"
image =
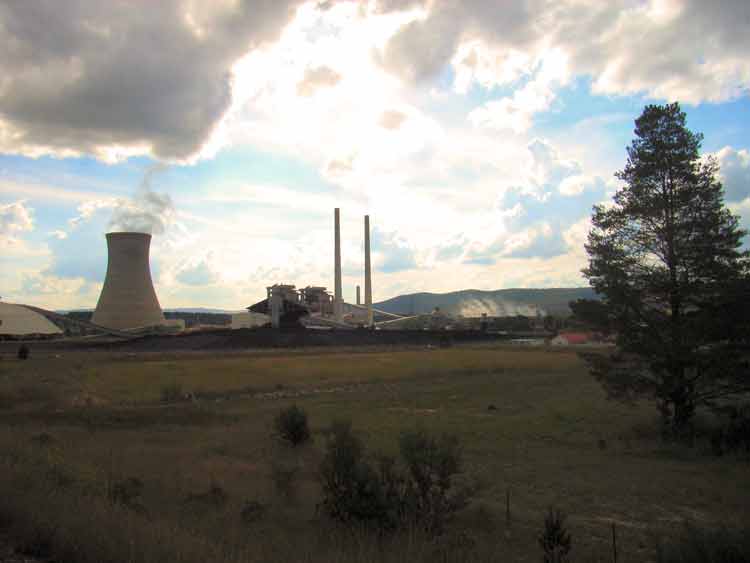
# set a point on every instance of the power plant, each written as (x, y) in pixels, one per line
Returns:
(128, 305)
(313, 306)
(128, 299)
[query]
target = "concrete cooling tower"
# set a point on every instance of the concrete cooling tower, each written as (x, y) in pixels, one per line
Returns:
(128, 299)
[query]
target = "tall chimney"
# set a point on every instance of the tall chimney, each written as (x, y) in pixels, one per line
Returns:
(128, 299)
(359, 301)
(368, 273)
(337, 301)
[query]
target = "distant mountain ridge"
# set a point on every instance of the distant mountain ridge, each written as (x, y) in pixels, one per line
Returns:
(497, 303)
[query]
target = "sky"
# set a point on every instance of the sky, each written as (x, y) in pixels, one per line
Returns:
(477, 134)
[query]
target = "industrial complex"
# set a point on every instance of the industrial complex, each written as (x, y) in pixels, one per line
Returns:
(128, 306)
(128, 303)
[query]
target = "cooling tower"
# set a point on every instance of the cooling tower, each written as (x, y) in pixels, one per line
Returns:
(128, 299)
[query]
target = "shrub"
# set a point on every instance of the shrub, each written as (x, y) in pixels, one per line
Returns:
(420, 491)
(555, 540)
(42, 439)
(127, 493)
(734, 433)
(215, 498)
(23, 352)
(431, 497)
(252, 511)
(695, 545)
(291, 426)
(284, 474)
(352, 490)
(171, 392)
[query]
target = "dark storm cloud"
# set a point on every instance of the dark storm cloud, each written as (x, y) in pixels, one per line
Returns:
(83, 75)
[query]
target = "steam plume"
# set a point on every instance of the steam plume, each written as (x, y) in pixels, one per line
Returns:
(147, 212)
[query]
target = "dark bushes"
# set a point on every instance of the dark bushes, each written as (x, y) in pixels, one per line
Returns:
(695, 545)
(431, 463)
(555, 540)
(420, 491)
(23, 352)
(171, 393)
(734, 433)
(128, 493)
(291, 426)
(352, 490)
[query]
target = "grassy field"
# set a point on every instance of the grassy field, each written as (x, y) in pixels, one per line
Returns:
(533, 424)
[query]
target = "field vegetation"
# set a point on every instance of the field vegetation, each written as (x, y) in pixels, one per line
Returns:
(117, 457)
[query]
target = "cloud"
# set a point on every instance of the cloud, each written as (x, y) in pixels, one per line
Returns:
(392, 119)
(59, 235)
(117, 79)
(15, 218)
(539, 211)
(197, 274)
(692, 50)
(317, 78)
(87, 209)
(540, 241)
(46, 284)
(735, 173)
(393, 252)
(516, 112)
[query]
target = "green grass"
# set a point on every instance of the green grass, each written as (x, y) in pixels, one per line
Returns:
(551, 439)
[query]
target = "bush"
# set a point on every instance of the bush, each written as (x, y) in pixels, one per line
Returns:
(420, 491)
(432, 463)
(555, 540)
(252, 511)
(171, 393)
(352, 489)
(128, 493)
(734, 433)
(214, 498)
(695, 545)
(284, 474)
(23, 352)
(291, 426)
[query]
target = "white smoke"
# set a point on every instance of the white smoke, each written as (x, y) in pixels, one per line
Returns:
(147, 212)
(496, 308)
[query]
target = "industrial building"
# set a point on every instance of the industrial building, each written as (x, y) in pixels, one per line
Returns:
(20, 321)
(286, 306)
(128, 300)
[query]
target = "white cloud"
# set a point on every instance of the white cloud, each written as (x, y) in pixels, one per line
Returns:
(735, 173)
(87, 209)
(200, 273)
(516, 112)
(15, 218)
(688, 50)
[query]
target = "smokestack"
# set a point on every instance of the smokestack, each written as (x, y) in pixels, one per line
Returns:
(358, 300)
(128, 299)
(337, 302)
(368, 273)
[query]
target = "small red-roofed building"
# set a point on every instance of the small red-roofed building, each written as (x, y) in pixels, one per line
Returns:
(573, 338)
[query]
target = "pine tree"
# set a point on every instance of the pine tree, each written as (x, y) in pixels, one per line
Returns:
(667, 258)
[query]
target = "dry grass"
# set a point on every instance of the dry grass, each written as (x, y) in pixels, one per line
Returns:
(551, 439)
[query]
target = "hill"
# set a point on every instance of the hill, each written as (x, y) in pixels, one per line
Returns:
(497, 303)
